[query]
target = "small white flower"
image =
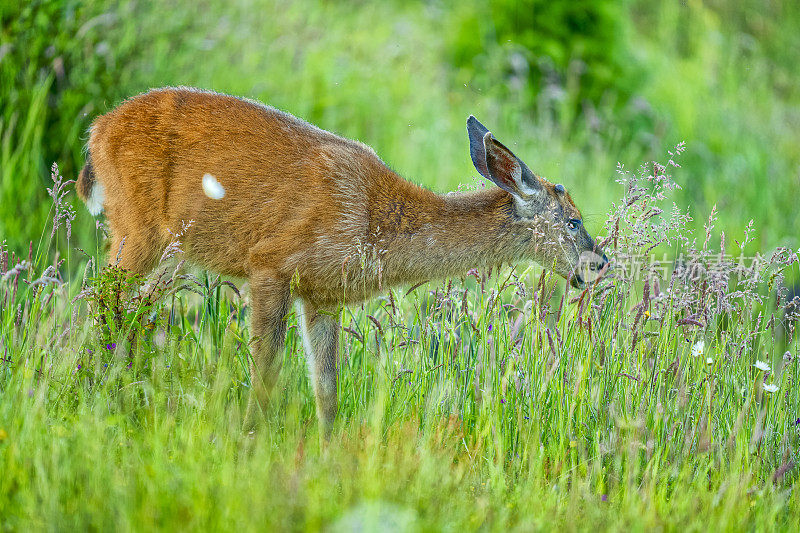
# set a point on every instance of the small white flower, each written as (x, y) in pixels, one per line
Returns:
(212, 188)
(709, 361)
(697, 349)
(771, 388)
(761, 365)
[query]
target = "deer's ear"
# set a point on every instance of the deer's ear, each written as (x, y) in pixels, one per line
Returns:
(477, 151)
(504, 167)
(497, 163)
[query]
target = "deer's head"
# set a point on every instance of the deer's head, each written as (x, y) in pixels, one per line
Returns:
(546, 220)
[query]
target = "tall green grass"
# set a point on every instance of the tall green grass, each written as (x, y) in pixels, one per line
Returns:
(469, 403)
(493, 402)
(716, 75)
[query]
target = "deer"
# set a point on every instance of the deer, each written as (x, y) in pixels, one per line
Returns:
(307, 216)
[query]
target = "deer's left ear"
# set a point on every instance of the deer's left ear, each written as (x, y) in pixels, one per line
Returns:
(477, 151)
(497, 163)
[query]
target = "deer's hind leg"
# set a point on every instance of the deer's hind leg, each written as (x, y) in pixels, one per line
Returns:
(270, 302)
(321, 343)
(136, 252)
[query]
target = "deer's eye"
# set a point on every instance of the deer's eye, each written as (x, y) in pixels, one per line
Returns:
(574, 224)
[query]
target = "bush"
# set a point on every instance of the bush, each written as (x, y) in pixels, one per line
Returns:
(64, 62)
(562, 54)
(55, 64)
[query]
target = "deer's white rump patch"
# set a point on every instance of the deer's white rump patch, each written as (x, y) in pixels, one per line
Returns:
(95, 202)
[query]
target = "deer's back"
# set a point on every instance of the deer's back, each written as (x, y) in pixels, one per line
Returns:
(294, 194)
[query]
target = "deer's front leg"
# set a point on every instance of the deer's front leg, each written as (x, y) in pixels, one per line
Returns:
(321, 343)
(270, 303)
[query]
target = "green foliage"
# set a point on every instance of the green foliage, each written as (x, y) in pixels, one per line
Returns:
(119, 307)
(61, 64)
(562, 54)
(503, 400)
(489, 403)
(403, 77)
(718, 88)
(49, 74)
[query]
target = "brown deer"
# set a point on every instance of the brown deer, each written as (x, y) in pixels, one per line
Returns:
(305, 214)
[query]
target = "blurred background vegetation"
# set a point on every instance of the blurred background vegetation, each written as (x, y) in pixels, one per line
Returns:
(572, 87)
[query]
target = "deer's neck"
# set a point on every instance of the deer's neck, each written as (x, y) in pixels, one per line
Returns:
(421, 235)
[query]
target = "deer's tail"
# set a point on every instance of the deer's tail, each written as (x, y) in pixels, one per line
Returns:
(89, 190)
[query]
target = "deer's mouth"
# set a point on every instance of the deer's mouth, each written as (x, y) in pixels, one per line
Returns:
(591, 267)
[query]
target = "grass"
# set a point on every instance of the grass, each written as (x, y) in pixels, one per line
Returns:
(493, 402)
(381, 73)
(475, 403)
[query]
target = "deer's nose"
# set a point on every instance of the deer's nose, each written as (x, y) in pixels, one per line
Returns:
(599, 263)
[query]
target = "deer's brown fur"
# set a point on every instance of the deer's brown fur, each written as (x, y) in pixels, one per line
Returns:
(306, 214)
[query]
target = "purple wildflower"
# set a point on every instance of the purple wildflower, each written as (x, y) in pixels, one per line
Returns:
(604, 498)
(489, 328)
(502, 400)
(111, 346)
(79, 367)
(797, 422)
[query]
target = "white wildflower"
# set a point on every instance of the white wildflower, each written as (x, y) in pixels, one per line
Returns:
(212, 188)
(761, 365)
(697, 349)
(709, 361)
(771, 388)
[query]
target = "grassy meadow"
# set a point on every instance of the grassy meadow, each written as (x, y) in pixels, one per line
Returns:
(663, 397)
